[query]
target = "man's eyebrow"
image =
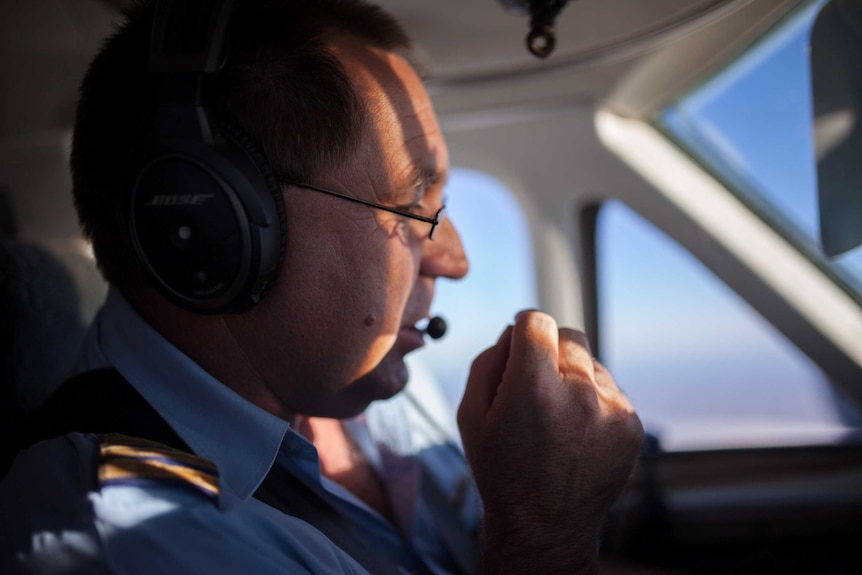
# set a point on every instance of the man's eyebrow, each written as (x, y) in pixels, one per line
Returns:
(418, 178)
(425, 176)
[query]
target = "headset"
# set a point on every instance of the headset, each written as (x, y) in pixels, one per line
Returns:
(205, 213)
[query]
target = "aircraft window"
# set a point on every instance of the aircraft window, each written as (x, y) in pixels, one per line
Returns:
(703, 369)
(752, 125)
(500, 283)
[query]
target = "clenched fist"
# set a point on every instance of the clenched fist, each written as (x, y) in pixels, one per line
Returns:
(551, 441)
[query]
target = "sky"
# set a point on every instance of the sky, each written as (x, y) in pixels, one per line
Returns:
(702, 368)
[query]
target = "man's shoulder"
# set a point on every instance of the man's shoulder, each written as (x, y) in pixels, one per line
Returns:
(113, 503)
(61, 502)
(131, 461)
(77, 478)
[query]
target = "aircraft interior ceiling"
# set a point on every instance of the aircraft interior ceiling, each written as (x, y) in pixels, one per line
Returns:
(471, 49)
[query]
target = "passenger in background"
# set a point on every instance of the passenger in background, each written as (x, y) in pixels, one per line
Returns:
(232, 439)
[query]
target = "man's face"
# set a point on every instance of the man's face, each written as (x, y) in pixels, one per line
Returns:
(332, 335)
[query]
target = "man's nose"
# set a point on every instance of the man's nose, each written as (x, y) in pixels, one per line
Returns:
(444, 255)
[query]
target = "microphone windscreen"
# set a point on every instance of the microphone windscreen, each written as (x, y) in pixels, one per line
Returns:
(436, 327)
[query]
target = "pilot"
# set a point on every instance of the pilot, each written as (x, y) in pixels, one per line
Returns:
(213, 433)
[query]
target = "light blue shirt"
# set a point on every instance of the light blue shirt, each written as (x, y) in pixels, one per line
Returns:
(55, 517)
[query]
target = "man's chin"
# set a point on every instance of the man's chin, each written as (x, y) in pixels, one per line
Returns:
(383, 382)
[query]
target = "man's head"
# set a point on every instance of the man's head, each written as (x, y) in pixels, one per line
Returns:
(281, 86)
(323, 89)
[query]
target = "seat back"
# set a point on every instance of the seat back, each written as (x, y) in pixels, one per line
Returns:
(40, 328)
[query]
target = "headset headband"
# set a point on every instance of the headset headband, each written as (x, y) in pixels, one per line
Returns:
(205, 214)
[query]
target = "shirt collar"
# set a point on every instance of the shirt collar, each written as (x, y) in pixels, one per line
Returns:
(218, 424)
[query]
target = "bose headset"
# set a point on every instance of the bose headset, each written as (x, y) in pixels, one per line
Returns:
(205, 213)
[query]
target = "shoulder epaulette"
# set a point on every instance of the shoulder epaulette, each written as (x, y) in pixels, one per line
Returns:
(125, 460)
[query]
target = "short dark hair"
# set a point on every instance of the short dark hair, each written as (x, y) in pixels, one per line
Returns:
(281, 85)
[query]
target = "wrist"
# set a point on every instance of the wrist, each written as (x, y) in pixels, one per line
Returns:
(524, 547)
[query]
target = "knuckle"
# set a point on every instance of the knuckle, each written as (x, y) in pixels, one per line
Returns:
(576, 363)
(619, 411)
(602, 370)
(578, 372)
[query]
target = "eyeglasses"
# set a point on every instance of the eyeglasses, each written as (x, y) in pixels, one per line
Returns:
(435, 221)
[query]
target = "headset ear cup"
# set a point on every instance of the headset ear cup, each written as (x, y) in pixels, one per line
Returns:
(239, 138)
(207, 219)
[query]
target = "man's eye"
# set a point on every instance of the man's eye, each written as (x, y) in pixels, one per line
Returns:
(415, 209)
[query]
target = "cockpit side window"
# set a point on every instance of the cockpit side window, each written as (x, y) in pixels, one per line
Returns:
(703, 368)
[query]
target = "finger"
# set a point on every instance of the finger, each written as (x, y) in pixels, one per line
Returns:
(576, 358)
(608, 387)
(535, 349)
(485, 377)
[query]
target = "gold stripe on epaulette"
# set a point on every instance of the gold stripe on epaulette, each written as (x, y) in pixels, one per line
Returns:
(128, 460)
